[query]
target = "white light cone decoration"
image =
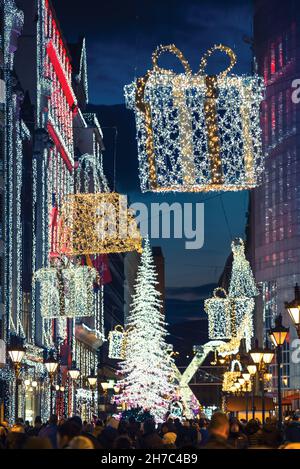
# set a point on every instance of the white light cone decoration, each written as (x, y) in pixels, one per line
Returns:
(231, 317)
(242, 282)
(147, 368)
(197, 132)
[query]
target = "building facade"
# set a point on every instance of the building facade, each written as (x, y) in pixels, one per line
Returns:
(275, 205)
(52, 147)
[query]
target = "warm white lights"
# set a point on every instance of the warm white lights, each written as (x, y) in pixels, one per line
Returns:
(230, 315)
(74, 373)
(98, 223)
(197, 132)
(66, 290)
(92, 380)
(147, 368)
(16, 355)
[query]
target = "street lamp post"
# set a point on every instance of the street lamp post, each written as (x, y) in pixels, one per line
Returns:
(51, 364)
(293, 309)
(252, 371)
(247, 378)
(74, 374)
(262, 358)
(92, 380)
(278, 335)
(16, 353)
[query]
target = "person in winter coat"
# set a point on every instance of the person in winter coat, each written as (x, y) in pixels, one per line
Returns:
(150, 438)
(271, 436)
(170, 435)
(236, 437)
(292, 431)
(218, 432)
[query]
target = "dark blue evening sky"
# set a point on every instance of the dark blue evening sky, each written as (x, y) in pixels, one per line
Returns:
(121, 35)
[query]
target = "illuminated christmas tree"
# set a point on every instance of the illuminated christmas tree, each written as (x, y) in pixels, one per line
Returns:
(242, 283)
(147, 368)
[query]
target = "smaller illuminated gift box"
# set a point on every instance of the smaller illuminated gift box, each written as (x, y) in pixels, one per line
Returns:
(117, 343)
(66, 291)
(197, 132)
(228, 317)
(230, 377)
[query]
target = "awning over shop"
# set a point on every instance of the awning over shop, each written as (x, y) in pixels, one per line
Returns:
(288, 400)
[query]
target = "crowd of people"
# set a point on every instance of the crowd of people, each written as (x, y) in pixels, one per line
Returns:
(220, 432)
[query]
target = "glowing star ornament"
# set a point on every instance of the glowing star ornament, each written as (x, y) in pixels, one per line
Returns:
(148, 375)
(197, 132)
(99, 223)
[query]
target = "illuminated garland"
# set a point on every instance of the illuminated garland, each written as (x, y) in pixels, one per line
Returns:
(53, 167)
(97, 224)
(89, 176)
(197, 132)
(14, 133)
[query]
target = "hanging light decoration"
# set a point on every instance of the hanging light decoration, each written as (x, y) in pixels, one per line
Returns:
(218, 311)
(197, 132)
(66, 290)
(230, 316)
(118, 342)
(235, 375)
(99, 223)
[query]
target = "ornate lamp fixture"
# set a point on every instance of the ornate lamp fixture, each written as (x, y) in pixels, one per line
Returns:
(293, 309)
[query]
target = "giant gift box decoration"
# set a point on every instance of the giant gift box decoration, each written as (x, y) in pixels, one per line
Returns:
(226, 315)
(197, 132)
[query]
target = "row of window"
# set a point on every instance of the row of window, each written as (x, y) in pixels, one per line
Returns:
(280, 53)
(279, 115)
(278, 258)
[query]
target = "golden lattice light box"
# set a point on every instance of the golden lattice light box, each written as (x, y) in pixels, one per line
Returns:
(97, 224)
